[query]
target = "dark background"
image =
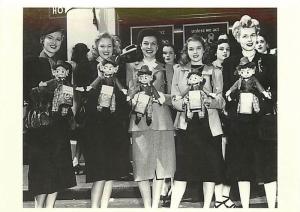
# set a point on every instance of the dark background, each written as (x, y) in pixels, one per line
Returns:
(35, 18)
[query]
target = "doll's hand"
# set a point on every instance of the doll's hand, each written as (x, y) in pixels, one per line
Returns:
(227, 94)
(41, 84)
(185, 100)
(124, 91)
(128, 98)
(88, 88)
(81, 89)
(267, 94)
(207, 102)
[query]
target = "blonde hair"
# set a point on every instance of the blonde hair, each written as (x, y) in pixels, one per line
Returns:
(245, 22)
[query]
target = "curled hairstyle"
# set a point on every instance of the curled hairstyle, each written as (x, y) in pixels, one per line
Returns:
(184, 57)
(245, 22)
(146, 33)
(97, 40)
(214, 46)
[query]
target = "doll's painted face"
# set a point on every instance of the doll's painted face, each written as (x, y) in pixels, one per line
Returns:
(108, 69)
(194, 79)
(247, 72)
(168, 55)
(223, 51)
(145, 78)
(60, 73)
(195, 51)
(52, 42)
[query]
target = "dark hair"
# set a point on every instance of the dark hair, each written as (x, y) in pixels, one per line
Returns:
(184, 57)
(79, 52)
(214, 47)
(146, 33)
(167, 44)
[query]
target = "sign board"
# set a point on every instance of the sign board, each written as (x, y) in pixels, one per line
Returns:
(166, 32)
(209, 31)
(57, 12)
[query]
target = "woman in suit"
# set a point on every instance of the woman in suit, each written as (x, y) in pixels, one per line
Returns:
(153, 145)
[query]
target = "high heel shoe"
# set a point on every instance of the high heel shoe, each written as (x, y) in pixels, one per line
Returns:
(226, 200)
(165, 200)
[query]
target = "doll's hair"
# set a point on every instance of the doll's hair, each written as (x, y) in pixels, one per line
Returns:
(184, 57)
(146, 33)
(245, 22)
(94, 50)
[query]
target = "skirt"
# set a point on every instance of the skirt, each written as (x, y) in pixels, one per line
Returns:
(199, 154)
(50, 160)
(153, 154)
(248, 157)
(106, 147)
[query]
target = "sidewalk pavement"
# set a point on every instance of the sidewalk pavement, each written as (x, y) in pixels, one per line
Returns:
(126, 194)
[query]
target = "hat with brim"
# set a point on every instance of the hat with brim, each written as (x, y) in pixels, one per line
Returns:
(50, 27)
(144, 70)
(197, 71)
(245, 63)
(63, 64)
(110, 60)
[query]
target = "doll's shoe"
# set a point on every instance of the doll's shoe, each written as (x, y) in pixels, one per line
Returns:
(137, 120)
(78, 169)
(148, 121)
(229, 206)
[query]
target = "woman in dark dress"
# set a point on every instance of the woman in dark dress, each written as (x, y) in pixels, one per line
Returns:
(106, 135)
(50, 161)
(250, 157)
(199, 144)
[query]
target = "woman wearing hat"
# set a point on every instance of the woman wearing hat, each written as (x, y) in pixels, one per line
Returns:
(199, 145)
(50, 161)
(153, 145)
(253, 158)
(106, 137)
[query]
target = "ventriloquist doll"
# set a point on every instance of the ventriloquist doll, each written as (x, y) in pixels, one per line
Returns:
(107, 82)
(195, 94)
(62, 94)
(248, 87)
(144, 95)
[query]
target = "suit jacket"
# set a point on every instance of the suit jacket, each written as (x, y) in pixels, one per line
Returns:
(161, 116)
(213, 84)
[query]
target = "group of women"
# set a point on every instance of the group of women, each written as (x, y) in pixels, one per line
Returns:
(200, 153)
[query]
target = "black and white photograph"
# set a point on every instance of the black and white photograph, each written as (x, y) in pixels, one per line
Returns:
(155, 108)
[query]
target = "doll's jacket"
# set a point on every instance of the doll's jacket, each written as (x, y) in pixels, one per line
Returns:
(248, 86)
(213, 84)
